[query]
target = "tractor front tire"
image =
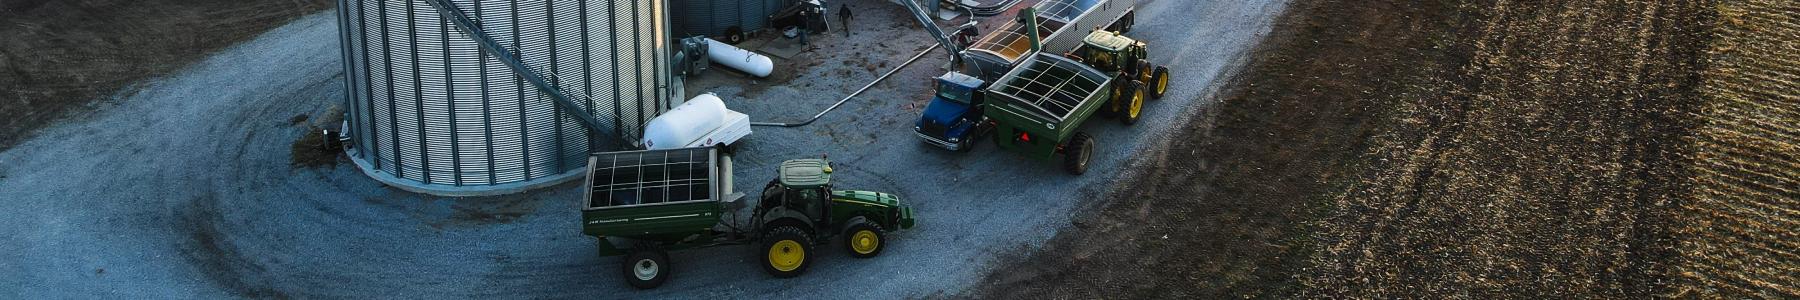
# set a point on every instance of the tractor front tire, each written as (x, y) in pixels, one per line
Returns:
(1160, 80)
(787, 251)
(864, 239)
(646, 267)
(1134, 104)
(1077, 153)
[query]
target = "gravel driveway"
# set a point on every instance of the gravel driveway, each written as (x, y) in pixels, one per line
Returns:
(184, 189)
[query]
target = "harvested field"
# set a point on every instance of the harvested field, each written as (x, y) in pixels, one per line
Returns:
(1490, 149)
(1739, 238)
(1543, 167)
(61, 57)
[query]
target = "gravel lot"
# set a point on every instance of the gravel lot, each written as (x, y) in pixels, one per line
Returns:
(184, 189)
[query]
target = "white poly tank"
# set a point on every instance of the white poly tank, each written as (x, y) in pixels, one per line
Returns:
(686, 123)
(738, 58)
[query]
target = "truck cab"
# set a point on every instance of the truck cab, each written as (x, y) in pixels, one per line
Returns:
(799, 210)
(953, 118)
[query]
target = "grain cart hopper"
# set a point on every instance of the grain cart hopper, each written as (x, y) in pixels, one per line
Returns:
(1038, 109)
(1053, 26)
(641, 204)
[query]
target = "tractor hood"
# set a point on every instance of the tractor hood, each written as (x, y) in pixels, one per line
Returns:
(891, 203)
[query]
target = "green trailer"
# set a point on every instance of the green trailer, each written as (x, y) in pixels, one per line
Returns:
(642, 204)
(1039, 106)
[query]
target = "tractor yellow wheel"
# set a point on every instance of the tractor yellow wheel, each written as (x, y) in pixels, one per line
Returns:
(864, 242)
(786, 251)
(1137, 102)
(787, 256)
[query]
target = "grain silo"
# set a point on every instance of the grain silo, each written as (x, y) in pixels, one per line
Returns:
(430, 111)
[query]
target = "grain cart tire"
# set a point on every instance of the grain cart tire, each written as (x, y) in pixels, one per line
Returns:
(1134, 103)
(787, 252)
(1160, 82)
(1077, 153)
(645, 267)
(864, 239)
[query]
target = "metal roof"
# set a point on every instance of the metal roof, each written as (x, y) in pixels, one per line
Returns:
(805, 172)
(1053, 85)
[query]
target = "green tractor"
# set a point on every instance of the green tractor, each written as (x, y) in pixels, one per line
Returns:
(642, 204)
(1128, 62)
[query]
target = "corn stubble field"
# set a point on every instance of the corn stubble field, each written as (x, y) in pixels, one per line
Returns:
(1470, 149)
(1739, 236)
(1544, 165)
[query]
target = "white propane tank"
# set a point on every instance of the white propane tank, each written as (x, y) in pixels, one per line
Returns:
(685, 123)
(738, 58)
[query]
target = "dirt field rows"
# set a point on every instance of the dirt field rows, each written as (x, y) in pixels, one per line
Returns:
(1740, 237)
(1486, 149)
(1543, 167)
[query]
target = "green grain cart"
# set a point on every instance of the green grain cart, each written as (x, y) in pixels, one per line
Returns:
(641, 204)
(1038, 108)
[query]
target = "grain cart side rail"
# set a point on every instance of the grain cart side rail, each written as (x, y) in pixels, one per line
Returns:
(671, 198)
(1039, 107)
(1060, 26)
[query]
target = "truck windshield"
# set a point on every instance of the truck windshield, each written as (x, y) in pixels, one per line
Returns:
(953, 92)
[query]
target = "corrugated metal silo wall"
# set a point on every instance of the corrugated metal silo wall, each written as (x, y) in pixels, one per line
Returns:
(712, 17)
(426, 105)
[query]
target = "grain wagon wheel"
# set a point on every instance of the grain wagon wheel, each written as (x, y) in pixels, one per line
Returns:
(1077, 153)
(646, 267)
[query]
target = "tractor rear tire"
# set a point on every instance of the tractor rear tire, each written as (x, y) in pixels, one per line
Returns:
(787, 252)
(1133, 104)
(1160, 82)
(864, 239)
(1077, 153)
(645, 267)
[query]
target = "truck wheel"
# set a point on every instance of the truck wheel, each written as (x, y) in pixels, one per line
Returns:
(864, 239)
(1161, 82)
(1129, 20)
(1134, 101)
(788, 250)
(646, 268)
(1077, 153)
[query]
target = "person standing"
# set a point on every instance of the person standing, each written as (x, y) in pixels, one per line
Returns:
(805, 14)
(844, 17)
